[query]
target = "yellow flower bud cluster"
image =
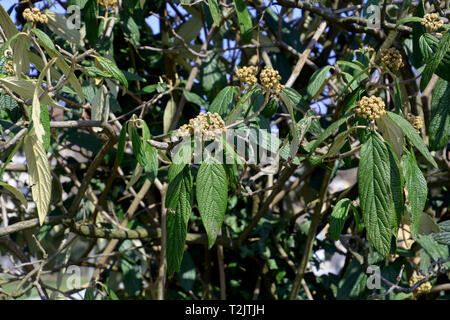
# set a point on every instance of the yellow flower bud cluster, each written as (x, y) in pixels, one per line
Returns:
(108, 3)
(34, 15)
(9, 67)
(392, 58)
(270, 79)
(432, 22)
(247, 75)
(423, 288)
(416, 121)
(210, 124)
(371, 108)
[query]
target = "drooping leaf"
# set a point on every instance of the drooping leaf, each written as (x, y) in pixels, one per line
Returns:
(212, 196)
(215, 11)
(50, 48)
(195, 98)
(45, 121)
(295, 143)
(15, 192)
(8, 26)
(245, 20)
(317, 81)
(36, 115)
(375, 193)
(338, 217)
(187, 273)
(223, 102)
(396, 184)
(213, 75)
(439, 129)
(20, 58)
(145, 154)
(413, 137)
(90, 18)
(57, 23)
(40, 178)
(416, 186)
(418, 31)
(111, 68)
(10, 156)
(130, 28)
(433, 63)
(392, 133)
(169, 114)
(179, 201)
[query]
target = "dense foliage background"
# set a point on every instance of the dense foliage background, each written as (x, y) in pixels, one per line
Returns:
(91, 100)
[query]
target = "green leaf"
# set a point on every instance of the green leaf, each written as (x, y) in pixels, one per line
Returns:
(169, 114)
(428, 45)
(351, 100)
(244, 19)
(391, 133)
(398, 98)
(40, 178)
(20, 56)
(213, 75)
(89, 294)
(396, 184)
(10, 156)
(15, 192)
(435, 250)
(111, 68)
(130, 28)
(418, 30)
(295, 143)
(375, 193)
(444, 226)
(212, 196)
(44, 38)
(187, 273)
(296, 99)
(317, 81)
(433, 63)
(131, 280)
(90, 17)
(57, 23)
(416, 186)
(5, 45)
(215, 11)
(439, 129)
(45, 121)
(179, 201)
(8, 26)
(195, 98)
(224, 101)
(413, 137)
(407, 20)
(442, 238)
(338, 217)
(145, 154)
(47, 43)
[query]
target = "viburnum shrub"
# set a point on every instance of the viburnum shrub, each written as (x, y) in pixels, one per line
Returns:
(224, 149)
